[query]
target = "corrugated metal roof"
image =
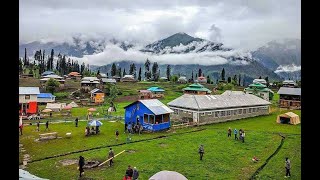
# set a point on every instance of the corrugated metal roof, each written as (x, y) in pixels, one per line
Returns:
(229, 99)
(95, 90)
(156, 106)
(290, 91)
(47, 73)
(106, 80)
(263, 81)
(291, 114)
(90, 79)
(45, 95)
(156, 89)
(54, 76)
(90, 82)
(29, 90)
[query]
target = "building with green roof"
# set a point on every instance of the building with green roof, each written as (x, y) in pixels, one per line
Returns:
(196, 89)
(260, 90)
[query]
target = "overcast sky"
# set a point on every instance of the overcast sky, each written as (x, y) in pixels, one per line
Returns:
(245, 24)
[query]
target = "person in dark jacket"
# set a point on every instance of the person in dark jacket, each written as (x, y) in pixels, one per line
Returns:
(117, 134)
(201, 151)
(38, 126)
(111, 155)
(81, 164)
(229, 132)
(235, 131)
(77, 120)
(47, 125)
(288, 167)
(125, 127)
(129, 171)
(135, 174)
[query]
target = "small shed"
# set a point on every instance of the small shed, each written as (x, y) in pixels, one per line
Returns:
(46, 97)
(55, 106)
(288, 118)
(152, 114)
(156, 92)
(97, 95)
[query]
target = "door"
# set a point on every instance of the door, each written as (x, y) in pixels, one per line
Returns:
(195, 117)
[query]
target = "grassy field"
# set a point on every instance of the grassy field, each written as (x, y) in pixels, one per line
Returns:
(225, 158)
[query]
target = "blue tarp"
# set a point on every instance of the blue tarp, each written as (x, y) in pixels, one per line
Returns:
(156, 89)
(45, 95)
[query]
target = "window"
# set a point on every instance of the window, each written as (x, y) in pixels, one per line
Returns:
(175, 111)
(217, 114)
(166, 118)
(158, 119)
(250, 109)
(27, 96)
(244, 111)
(209, 113)
(151, 119)
(202, 114)
(240, 111)
(189, 112)
(145, 118)
(184, 111)
(234, 112)
(223, 113)
(228, 113)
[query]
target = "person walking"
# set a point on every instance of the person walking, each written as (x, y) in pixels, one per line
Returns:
(242, 136)
(38, 126)
(125, 127)
(140, 128)
(117, 134)
(229, 132)
(201, 151)
(111, 155)
(81, 164)
(135, 174)
(47, 125)
(235, 131)
(288, 167)
(77, 120)
(20, 128)
(129, 172)
(50, 114)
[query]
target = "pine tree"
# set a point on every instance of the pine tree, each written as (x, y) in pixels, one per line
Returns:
(223, 75)
(192, 75)
(119, 72)
(235, 80)
(147, 73)
(124, 72)
(139, 75)
(260, 77)
(25, 63)
(155, 71)
(113, 69)
(200, 72)
(208, 79)
(20, 66)
(229, 79)
(239, 83)
(168, 72)
(267, 80)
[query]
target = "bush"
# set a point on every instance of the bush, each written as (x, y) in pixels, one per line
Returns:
(60, 95)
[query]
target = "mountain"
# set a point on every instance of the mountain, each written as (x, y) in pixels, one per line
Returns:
(204, 54)
(182, 43)
(282, 57)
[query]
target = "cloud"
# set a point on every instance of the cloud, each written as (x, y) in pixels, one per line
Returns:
(242, 24)
(113, 53)
(288, 68)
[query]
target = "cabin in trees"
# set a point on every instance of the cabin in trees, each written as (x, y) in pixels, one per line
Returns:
(75, 75)
(128, 78)
(261, 81)
(152, 114)
(97, 96)
(205, 109)
(105, 81)
(156, 92)
(28, 101)
(290, 97)
(46, 78)
(289, 83)
(89, 83)
(260, 90)
(202, 80)
(196, 89)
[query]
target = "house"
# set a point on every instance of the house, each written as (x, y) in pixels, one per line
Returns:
(205, 109)
(117, 78)
(289, 83)
(182, 79)
(55, 106)
(164, 79)
(152, 114)
(261, 81)
(128, 78)
(47, 73)
(89, 83)
(28, 101)
(46, 97)
(202, 80)
(108, 81)
(288, 118)
(260, 90)
(60, 79)
(156, 92)
(145, 94)
(75, 75)
(97, 96)
(290, 97)
(196, 89)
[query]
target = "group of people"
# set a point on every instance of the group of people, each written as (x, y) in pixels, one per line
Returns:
(235, 131)
(38, 126)
(131, 174)
(133, 128)
(93, 130)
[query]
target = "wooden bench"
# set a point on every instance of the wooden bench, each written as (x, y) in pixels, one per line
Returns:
(42, 136)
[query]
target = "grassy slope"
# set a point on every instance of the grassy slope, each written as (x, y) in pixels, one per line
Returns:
(224, 157)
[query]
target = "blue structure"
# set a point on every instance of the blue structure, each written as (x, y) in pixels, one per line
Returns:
(152, 114)
(156, 89)
(45, 98)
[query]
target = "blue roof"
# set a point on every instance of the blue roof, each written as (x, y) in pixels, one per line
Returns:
(45, 95)
(156, 89)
